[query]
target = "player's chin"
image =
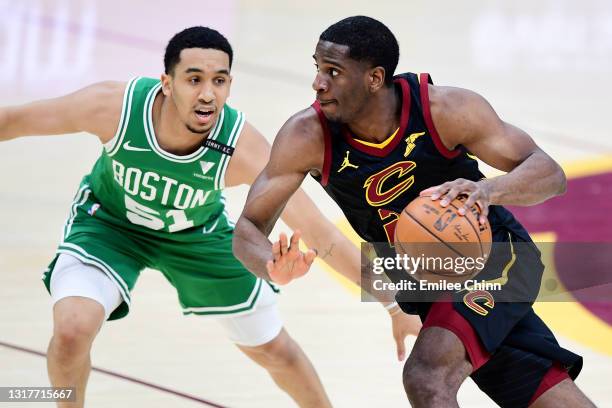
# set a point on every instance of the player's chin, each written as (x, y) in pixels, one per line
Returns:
(202, 123)
(199, 128)
(330, 110)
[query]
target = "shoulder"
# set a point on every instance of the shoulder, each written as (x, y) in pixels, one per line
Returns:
(458, 113)
(95, 109)
(108, 88)
(303, 127)
(105, 102)
(448, 99)
(106, 94)
(302, 138)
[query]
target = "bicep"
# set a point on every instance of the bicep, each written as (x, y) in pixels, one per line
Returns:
(94, 109)
(503, 149)
(281, 177)
(465, 118)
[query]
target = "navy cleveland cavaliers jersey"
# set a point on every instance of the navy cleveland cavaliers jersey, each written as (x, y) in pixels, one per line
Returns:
(373, 183)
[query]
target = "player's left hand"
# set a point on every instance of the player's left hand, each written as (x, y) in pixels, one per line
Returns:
(403, 325)
(289, 262)
(477, 192)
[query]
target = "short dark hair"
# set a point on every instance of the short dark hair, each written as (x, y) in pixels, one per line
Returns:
(368, 40)
(195, 37)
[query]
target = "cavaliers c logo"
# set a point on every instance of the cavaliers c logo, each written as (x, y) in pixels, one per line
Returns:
(377, 193)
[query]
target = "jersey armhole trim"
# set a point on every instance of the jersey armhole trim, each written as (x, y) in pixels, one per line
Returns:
(112, 145)
(424, 81)
(328, 145)
(225, 159)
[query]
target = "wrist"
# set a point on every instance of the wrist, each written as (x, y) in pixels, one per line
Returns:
(488, 185)
(392, 308)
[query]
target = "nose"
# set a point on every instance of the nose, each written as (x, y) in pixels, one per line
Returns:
(206, 94)
(319, 84)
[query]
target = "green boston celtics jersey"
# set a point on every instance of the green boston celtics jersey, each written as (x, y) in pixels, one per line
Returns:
(155, 191)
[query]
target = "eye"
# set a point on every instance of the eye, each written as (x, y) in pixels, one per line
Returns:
(333, 72)
(219, 81)
(194, 80)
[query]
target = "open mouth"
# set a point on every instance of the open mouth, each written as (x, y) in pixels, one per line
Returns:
(204, 115)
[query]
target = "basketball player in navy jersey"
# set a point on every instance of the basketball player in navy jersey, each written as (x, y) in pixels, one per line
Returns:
(375, 142)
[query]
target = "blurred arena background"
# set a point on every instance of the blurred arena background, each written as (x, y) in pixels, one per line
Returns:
(545, 66)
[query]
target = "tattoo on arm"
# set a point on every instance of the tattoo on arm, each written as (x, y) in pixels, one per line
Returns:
(328, 252)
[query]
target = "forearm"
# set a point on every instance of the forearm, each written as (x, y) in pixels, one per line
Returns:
(337, 251)
(320, 234)
(535, 180)
(252, 247)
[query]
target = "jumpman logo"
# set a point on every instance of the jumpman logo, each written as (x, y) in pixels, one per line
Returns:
(346, 163)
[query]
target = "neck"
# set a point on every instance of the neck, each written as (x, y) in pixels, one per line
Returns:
(379, 118)
(171, 133)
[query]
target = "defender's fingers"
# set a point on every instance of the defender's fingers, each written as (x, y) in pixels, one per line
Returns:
(283, 243)
(295, 241)
(276, 250)
(270, 267)
(401, 347)
(309, 257)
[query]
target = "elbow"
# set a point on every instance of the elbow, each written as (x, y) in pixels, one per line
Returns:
(237, 241)
(561, 181)
(555, 176)
(4, 123)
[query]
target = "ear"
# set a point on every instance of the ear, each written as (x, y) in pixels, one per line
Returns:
(376, 78)
(166, 81)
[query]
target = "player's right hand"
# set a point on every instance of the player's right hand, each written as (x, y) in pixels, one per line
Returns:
(289, 262)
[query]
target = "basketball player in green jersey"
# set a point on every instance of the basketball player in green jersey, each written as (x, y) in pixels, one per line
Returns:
(154, 199)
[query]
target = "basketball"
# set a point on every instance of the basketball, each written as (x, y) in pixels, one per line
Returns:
(453, 247)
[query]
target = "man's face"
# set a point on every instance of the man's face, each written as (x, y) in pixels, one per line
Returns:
(341, 83)
(199, 86)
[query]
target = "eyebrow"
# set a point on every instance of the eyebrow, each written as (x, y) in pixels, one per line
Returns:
(198, 70)
(329, 61)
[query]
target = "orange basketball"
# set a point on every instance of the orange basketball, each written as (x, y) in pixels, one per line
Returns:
(453, 247)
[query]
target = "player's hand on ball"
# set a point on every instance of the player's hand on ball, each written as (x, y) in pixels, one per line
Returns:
(477, 192)
(403, 325)
(289, 262)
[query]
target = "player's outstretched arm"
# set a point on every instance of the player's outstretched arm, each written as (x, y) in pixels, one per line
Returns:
(295, 152)
(300, 212)
(95, 109)
(465, 118)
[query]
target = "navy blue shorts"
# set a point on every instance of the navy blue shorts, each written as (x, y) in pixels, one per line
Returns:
(510, 376)
(513, 352)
